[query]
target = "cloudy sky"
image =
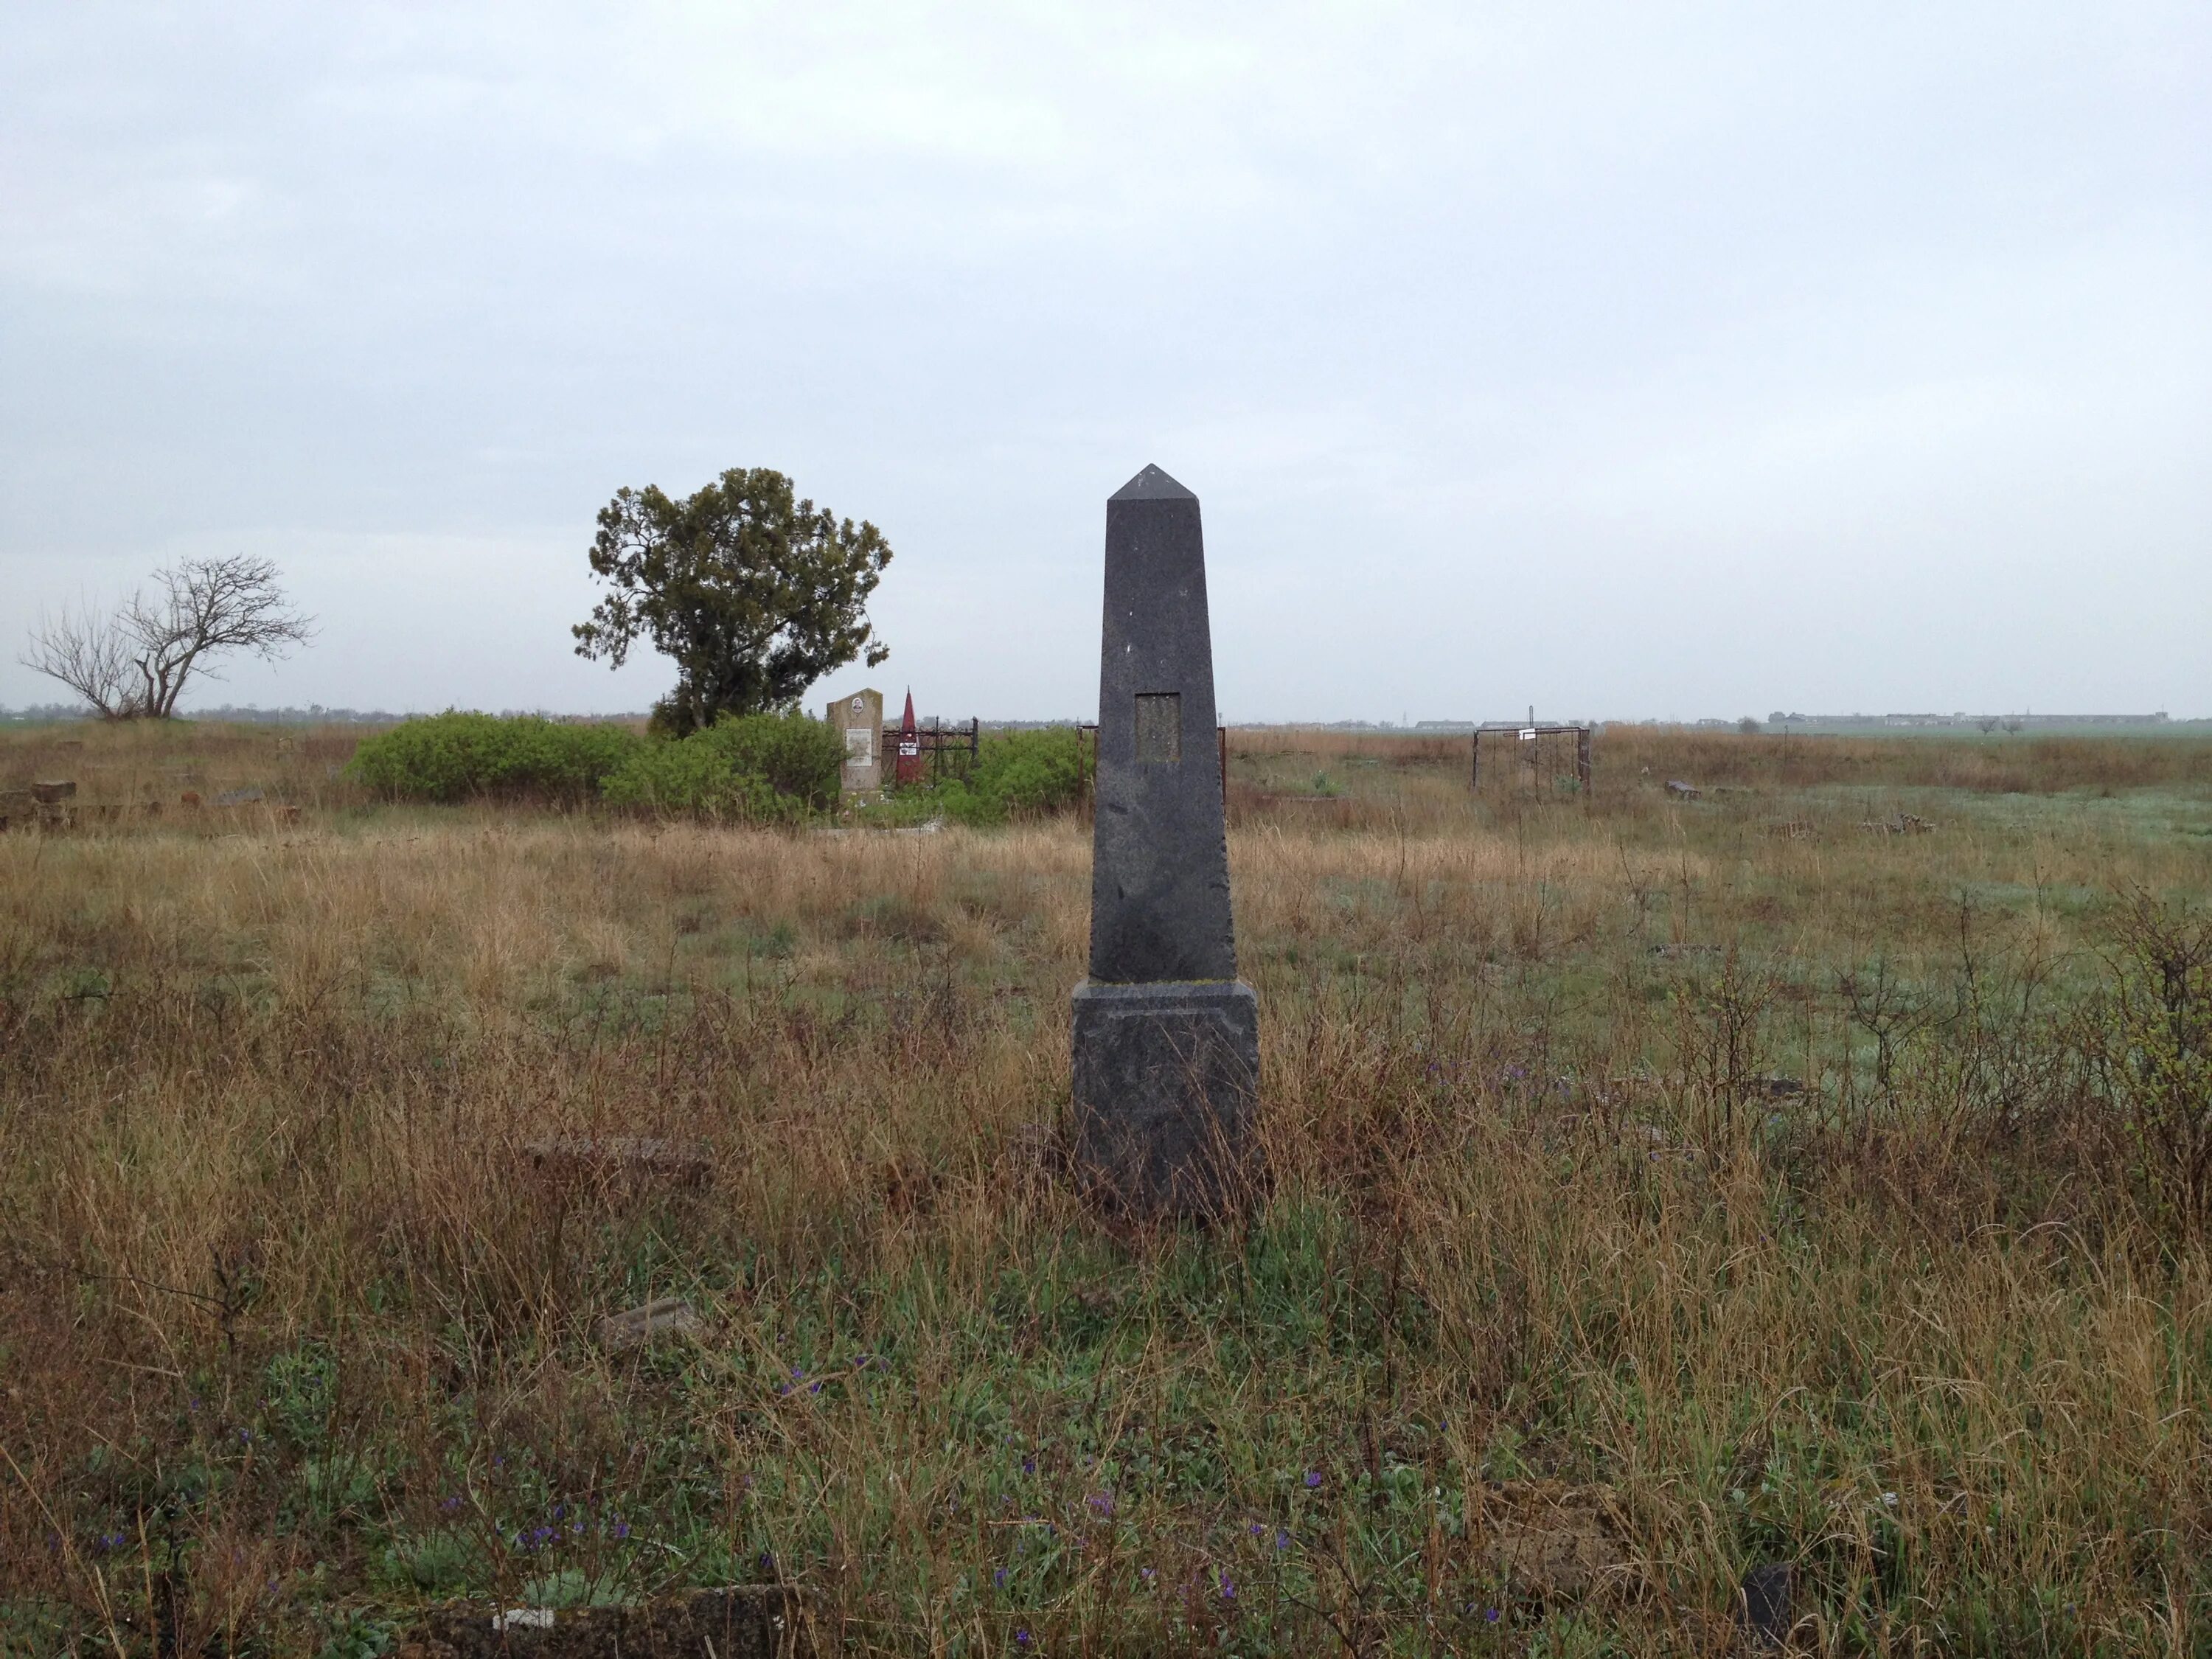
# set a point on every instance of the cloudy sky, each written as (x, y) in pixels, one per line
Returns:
(1633, 360)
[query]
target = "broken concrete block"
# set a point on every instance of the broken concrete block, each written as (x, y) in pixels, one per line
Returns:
(766, 1621)
(1763, 1608)
(667, 1316)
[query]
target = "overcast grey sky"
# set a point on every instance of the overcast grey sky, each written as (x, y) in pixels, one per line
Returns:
(1634, 360)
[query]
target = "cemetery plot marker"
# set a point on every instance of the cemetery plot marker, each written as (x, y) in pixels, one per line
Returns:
(1167, 1037)
(861, 717)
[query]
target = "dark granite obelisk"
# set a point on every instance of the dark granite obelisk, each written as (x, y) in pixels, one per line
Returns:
(1167, 1037)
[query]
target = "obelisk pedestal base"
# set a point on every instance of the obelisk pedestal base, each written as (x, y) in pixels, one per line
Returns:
(1167, 1078)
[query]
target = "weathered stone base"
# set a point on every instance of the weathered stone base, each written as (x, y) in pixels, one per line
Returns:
(1167, 1079)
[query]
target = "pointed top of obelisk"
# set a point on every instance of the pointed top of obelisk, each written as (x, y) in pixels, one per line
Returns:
(1151, 485)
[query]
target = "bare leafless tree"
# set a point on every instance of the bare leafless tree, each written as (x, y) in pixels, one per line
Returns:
(201, 609)
(136, 663)
(89, 653)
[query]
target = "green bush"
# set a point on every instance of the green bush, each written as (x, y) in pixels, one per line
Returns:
(687, 774)
(462, 755)
(754, 766)
(2151, 1045)
(1017, 775)
(801, 759)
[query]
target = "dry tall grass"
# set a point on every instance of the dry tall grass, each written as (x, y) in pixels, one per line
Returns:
(1654, 1194)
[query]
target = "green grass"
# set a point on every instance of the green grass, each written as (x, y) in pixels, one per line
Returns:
(1554, 1310)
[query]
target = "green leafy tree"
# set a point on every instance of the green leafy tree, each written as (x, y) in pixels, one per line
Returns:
(754, 595)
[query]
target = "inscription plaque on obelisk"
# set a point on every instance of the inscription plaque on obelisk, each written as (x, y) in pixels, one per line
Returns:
(1167, 1037)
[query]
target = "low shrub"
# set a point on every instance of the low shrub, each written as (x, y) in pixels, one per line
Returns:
(1016, 774)
(756, 767)
(2152, 1048)
(753, 766)
(688, 774)
(800, 758)
(464, 756)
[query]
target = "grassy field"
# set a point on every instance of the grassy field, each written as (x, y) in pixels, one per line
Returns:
(1659, 1187)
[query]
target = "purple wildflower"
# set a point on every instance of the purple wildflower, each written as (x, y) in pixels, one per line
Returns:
(1228, 1588)
(1102, 1502)
(999, 1578)
(1313, 1478)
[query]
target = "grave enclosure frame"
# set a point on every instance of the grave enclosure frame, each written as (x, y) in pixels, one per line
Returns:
(944, 748)
(1531, 744)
